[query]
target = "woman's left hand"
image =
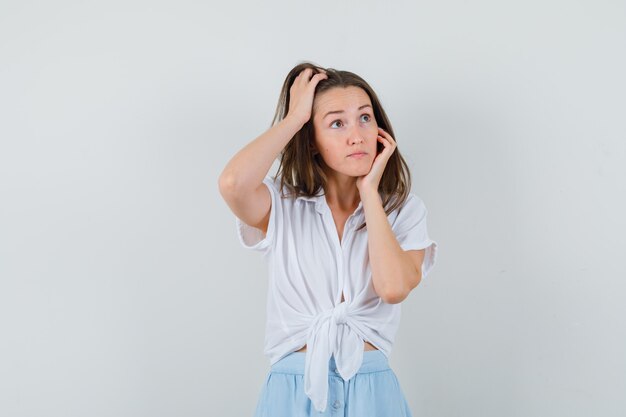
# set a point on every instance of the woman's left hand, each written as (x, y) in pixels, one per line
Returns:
(371, 180)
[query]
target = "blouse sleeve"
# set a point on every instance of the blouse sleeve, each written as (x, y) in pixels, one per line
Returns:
(253, 238)
(412, 233)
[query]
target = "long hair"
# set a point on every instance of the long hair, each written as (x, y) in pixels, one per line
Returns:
(300, 167)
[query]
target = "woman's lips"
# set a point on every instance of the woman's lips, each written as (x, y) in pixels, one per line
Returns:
(357, 155)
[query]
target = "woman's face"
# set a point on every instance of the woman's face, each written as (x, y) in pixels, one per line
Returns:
(343, 121)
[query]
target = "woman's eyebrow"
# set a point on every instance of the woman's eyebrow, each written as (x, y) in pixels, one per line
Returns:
(341, 111)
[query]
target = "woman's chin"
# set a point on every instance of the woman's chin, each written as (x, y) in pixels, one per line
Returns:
(360, 173)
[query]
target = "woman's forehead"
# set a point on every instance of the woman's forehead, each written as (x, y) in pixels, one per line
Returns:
(341, 97)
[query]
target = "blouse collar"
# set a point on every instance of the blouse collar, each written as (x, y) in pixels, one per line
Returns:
(321, 204)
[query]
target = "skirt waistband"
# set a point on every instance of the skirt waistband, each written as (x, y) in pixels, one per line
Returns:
(293, 363)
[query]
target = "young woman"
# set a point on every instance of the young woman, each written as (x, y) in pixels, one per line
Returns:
(345, 241)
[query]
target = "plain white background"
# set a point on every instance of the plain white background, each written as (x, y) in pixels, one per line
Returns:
(123, 288)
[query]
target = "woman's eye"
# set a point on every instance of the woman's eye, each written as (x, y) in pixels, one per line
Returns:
(367, 116)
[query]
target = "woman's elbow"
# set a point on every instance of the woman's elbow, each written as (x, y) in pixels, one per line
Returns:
(396, 297)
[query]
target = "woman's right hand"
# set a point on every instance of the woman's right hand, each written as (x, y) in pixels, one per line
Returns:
(301, 94)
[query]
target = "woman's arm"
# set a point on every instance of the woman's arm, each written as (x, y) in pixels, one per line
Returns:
(394, 271)
(245, 172)
(241, 183)
(247, 169)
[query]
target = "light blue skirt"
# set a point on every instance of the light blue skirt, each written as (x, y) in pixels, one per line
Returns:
(373, 392)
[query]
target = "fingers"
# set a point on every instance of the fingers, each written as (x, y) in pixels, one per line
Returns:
(385, 135)
(304, 84)
(387, 140)
(318, 77)
(302, 92)
(305, 76)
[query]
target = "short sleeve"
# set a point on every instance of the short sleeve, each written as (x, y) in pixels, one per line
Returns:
(253, 238)
(412, 232)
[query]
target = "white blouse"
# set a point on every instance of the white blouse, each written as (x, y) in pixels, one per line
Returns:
(308, 270)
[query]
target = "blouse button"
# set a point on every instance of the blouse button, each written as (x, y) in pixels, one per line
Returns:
(337, 404)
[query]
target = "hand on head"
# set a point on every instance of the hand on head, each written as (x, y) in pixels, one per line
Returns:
(302, 92)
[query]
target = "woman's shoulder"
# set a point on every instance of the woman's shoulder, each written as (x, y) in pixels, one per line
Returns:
(284, 194)
(287, 191)
(412, 203)
(274, 183)
(413, 198)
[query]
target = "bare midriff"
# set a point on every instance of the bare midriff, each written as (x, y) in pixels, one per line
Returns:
(366, 346)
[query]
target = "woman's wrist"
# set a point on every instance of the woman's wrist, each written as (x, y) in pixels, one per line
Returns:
(294, 121)
(368, 194)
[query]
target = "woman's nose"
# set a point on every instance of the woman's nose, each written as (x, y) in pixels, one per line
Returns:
(355, 135)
